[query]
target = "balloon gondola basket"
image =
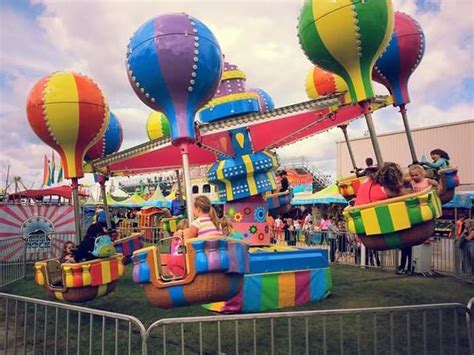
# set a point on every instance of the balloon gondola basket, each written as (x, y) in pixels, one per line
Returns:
(213, 271)
(79, 282)
(397, 222)
(279, 203)
(126, 246)
(449, 180)
(349, 186)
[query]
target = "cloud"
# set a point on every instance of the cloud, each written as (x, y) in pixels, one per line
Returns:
(259, 36)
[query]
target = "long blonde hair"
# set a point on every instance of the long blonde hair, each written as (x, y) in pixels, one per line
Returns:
(204, 204)
(226, 226)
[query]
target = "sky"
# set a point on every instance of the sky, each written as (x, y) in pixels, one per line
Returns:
(38, 37)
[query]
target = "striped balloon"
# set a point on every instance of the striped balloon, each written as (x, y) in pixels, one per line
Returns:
(175, 65)
(346, 37)
(157, 126)
(401, 58)
(321, 83)
(68, 112)
(110, 142)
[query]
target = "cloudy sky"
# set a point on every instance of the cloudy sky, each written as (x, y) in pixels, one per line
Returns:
(41, 36)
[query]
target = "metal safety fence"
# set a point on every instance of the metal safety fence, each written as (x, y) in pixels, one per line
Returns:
(32, 326)
(12, 260)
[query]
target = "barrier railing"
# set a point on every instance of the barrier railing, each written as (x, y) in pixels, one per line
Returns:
(44, 327)
(41, 327)
(12, 260)
(427, 329)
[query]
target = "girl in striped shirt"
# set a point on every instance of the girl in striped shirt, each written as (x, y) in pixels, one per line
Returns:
(206, 223)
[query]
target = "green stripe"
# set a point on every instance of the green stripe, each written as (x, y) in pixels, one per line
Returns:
(373, 20)
(414, 211)
(316, 51)
(384, 219)
(432, 204)
(358, 225)
(270, 292)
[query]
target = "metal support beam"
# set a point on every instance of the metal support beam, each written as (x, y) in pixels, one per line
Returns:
(349, 148)
(411, 145)
(77, 210)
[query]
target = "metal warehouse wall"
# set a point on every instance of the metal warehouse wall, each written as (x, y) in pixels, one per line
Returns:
(455, 138)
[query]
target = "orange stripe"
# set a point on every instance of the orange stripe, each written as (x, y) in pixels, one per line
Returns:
(114, 269)
(286, 287)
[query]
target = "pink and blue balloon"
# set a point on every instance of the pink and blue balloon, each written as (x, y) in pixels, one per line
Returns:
(265, 100)
(401, 57)
(110, 142)
(174, 65)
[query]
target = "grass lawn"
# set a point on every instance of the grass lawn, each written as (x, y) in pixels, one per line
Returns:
(352, 288)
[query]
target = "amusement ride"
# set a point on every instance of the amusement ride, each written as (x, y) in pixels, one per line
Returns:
(234, 134)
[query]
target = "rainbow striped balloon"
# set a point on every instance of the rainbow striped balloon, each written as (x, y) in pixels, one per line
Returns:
(157, 126)
(111, 140)
(174, 65)
(68, 112)
(320, 83)
(346, 37)
(402, 56)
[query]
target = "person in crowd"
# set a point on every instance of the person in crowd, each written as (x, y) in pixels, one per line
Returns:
(206, 223)
(271, 225)
(385, 183)
(176, 258)
(466, 244)
(290, 234)
(405, 261)
(68, 253)
(85, 248)
(418, 179)
(331, 233)
(178, 206)
(324, 225)
(308, 230)
(279, 229)
(460, 226)
(341, 239)
(440, 160)
(284, 181)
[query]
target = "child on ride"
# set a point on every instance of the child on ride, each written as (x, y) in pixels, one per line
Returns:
(176, 259)
(419, 181)
(385, 183)
(206, 223)
(440, 160)
(68, 253)
(228, 229)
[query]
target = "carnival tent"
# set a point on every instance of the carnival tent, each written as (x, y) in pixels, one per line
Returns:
(326, 196)
(157, 199)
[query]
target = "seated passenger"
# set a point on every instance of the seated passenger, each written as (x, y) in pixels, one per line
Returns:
(206, 223)
(385, 183)
(370, 170)
(440, 160)
(86, 247)
(176, 259)
(228, 229)
(68, 253)
(419, 181)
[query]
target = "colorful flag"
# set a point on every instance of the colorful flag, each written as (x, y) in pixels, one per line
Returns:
(60, 174)
(53, 167)
(46, 177)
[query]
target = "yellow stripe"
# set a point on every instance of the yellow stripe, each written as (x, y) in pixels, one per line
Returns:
(250, 176)
(220, 176)
(121, 267)
(271, 177)
(311, 90)
(86, 275)
(233, 74)
(63, 119)
(286, 289)
(399, 214)
(59, 295)
(426, 213)
(370, 220)
(216, 306)
(230, 98)
(272, 157)
(101, 290)
(342, 48)
(106, 274)
(350, 222)
(68, 276)
(342, 86)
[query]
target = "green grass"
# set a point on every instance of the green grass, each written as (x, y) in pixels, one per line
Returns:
(352, 288)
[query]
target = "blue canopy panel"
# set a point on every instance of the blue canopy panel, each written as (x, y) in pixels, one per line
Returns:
(460, 201)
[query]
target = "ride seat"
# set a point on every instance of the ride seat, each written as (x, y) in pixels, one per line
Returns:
(55, 274)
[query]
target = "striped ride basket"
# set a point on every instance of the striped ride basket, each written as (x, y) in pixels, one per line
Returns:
(448, 181)
(396, 222)
(79, 282)
(169, 224)
(126, 246)
(214, 272)
(349, 186)
(279, 203)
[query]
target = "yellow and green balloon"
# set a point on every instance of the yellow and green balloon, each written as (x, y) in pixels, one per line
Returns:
(157, 126)
(346, 37)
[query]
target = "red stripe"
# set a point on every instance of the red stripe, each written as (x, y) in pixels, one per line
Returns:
(113, 269)
(126, 249)
(77, 276)
(66, 212)
(96, 274)
(302, 285)
(67, 221)
(23, 211)
(8, 223)
(8, 234)
(92, 115)
(10, 212)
